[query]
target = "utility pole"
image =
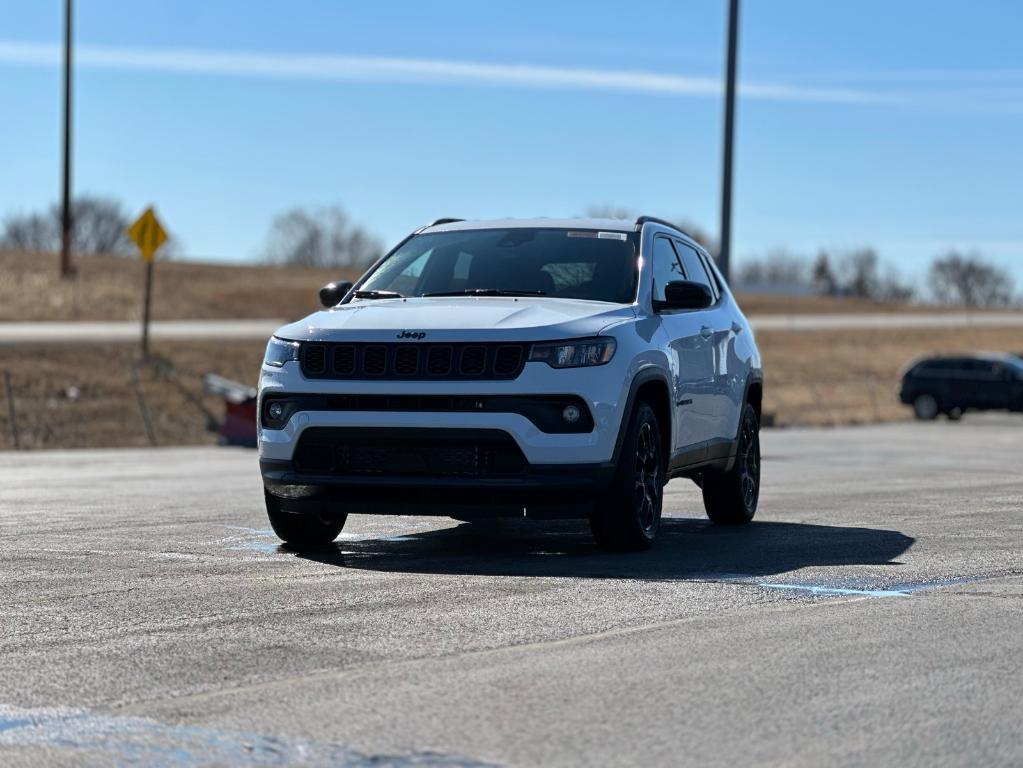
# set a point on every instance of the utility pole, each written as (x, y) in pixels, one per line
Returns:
(66, 269)
(725, 257)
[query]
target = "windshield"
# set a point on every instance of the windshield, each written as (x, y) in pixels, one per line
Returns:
(560, 263)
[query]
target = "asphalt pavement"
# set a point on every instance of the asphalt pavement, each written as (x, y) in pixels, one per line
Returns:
(259, 329)
(871, 615)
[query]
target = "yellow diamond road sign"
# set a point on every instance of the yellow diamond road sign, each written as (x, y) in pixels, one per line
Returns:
(147, 234)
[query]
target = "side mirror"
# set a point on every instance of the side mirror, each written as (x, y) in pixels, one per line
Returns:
(685, 294)
(332, 293)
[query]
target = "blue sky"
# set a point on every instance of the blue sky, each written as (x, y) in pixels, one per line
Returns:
(892, 124)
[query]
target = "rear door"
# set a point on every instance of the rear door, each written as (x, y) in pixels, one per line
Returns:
(692, 360)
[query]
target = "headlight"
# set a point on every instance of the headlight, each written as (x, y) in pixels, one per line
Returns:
(574, 354)
(279, 352)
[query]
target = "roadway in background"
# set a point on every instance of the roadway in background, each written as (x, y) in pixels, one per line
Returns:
(261, 329)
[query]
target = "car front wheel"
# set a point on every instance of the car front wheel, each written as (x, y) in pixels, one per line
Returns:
(302, 530)
(628, 515)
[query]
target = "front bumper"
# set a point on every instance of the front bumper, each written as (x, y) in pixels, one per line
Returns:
(602, 389)
(548, 490)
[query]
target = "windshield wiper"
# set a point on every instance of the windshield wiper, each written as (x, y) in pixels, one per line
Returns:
(378, 295)
(486, 292)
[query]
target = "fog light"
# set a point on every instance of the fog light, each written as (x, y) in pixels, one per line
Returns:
(275, 411)
(571, 414)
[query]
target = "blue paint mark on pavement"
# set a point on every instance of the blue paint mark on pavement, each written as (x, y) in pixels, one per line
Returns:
(897, 590)
(97, 739)
(817, 590)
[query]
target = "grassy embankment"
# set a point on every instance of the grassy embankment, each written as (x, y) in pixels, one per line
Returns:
(84, 396)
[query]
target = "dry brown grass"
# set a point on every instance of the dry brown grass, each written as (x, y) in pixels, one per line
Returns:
(110, 288)
(767, 304)
(852, 377)
(105, 412)
(811, 379)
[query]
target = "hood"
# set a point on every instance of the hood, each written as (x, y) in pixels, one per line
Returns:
(459, 318)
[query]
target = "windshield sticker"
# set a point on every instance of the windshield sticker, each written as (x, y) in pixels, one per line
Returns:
(612, 236)
(584, 233)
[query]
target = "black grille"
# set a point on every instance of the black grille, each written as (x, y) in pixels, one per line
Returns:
(508, 359)
(344, 360)
(353, 361)
(374, 361)
(314, 359)
(473, 361)
(422, 453)
(439, 361)
(406, 361)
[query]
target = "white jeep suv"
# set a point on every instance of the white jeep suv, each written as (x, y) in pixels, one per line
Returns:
(537, 368)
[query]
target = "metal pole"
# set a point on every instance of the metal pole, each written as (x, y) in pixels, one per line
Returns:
(147, 301)
(9, 389)
(65, 210)
(724, 258)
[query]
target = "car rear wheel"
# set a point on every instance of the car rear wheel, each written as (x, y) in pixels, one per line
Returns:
(301, 529)
(628, 515)
(731, 498)
(925, 407)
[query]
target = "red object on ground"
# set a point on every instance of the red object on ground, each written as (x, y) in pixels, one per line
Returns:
(239, 425)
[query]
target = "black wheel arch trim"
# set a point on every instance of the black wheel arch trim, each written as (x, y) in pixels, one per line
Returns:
(755, 377)
(652, 373)
(645, 375)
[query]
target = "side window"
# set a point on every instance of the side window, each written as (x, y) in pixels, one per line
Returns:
(694, 267)
(715, 278)
(666, 266)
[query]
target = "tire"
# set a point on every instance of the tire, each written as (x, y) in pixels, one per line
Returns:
(303, 530)
(731, 498)
(628, 515)
(925, 407)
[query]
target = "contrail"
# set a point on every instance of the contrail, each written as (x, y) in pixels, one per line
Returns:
(416, 70)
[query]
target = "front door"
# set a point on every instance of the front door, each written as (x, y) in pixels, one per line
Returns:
(693, 361)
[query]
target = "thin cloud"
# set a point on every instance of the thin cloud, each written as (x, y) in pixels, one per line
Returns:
(417, 70)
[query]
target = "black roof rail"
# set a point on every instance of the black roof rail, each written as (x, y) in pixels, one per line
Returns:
(437, 223)
(654, 220)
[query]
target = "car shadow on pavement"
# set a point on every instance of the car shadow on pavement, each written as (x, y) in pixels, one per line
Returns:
(686, 548)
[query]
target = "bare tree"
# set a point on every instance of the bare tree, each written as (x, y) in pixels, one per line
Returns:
(29, 232)
(859, 276)
(100, 226)
(779, 268)
(823, 277)
(892, 288)
(968, 279)
(320, 238)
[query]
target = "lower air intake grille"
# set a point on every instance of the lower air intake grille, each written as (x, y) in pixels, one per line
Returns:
(415, 452)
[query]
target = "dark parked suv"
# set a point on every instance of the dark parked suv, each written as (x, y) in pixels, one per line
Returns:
(954, 384)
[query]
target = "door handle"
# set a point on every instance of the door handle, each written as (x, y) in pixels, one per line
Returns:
(736, 328)
(706, 331)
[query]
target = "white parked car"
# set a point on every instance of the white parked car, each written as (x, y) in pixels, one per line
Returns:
(546, 368)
